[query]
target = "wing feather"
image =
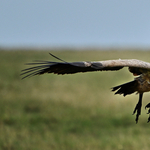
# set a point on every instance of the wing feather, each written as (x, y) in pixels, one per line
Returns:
(64, 67)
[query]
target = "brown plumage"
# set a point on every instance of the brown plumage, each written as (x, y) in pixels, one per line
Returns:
(140, 84)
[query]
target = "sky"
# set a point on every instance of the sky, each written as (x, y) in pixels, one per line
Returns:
(75, 23)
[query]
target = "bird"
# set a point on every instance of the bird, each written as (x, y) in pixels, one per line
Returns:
(138, 68)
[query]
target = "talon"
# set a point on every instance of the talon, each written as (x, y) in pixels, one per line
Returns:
(148, 111)
(148, 119)
(147, 106)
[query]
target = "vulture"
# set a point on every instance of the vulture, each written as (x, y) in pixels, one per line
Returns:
(139, 68)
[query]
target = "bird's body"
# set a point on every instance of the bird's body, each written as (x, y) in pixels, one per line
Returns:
(139, 68)
(143, 83)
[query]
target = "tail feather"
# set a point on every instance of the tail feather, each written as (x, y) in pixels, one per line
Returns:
(127, 88)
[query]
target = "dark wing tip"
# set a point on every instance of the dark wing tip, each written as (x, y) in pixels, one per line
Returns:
(41, 67)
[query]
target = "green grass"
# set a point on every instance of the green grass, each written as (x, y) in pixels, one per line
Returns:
(69, 112)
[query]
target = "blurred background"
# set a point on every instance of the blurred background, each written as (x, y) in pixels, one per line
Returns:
(76, 111)
(83, 23)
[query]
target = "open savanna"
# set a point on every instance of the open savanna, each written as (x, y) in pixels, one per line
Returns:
(69, 112)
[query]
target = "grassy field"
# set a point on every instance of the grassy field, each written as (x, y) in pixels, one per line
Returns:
(69, 112)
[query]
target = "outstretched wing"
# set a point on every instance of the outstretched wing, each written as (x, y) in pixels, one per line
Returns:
(64, 67)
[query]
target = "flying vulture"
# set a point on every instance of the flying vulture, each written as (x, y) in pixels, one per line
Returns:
(139, 68)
